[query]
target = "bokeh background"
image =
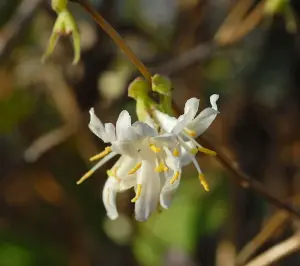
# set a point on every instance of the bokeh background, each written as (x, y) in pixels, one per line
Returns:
(251, 59)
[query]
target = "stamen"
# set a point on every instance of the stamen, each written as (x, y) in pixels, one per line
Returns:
(207, 151)
(95, 167)
(203, 182)
(134, 169)
(190, 132)
(138, 193)
(100, 155)
(162, 167)
(175, 152)
(174, 178)
(85, 177)
(154, 148)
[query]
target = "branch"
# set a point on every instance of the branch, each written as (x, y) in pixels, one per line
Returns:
(267, 231)
(47, 142)
(13, 29)
(277, 252)
(115, 36)
(186, 59)
(246, 181)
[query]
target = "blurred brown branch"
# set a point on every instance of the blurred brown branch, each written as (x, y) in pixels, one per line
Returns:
(236, 25)
(277, 252)
(271, 226)
(246, 181)
(12, 30)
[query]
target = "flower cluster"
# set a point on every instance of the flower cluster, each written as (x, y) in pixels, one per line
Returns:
(153, 154)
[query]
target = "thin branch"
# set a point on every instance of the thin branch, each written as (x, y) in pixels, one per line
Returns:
(115, 37)
(13, 29)
(277, 220)
(245, 180)
(277, 252)
(186, 59)
(47, 142)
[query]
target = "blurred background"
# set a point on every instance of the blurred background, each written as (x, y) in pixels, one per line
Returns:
(246, 51)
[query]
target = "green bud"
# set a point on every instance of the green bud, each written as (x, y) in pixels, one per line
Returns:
(138, 89)
(275, 6)
(59, 5)
(161, 85)
(64, 25)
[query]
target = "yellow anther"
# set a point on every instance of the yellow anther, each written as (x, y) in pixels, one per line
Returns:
(194, 151)
(207, 151)
(85, 177)
(190, 132)
(138, 193)
(175, 152)
(203, 182)
(174, 178)
(134, 169)
(154, 148)
(100, 155)
(162, 167)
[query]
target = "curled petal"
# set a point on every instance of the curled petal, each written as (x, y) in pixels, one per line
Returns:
(109, 197)
(150, 183)
(95, 124)
(213, 101)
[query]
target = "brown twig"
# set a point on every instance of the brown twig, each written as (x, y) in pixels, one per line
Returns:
(115, 37)
(12, 30)
(245, 180)
(277, 220)
(277, 252)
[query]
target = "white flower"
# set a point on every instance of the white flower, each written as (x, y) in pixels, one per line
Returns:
(150, 162)
(142, 161)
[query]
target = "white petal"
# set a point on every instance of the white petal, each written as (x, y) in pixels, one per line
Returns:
(203, 121)
(95, 124)
(109, 197)
(168, 190)
(123, 123)
(190, 110)
(110, 133)
(191, 106)
(166, 122)
(144, 129)
(149, 197)
(213, 101)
